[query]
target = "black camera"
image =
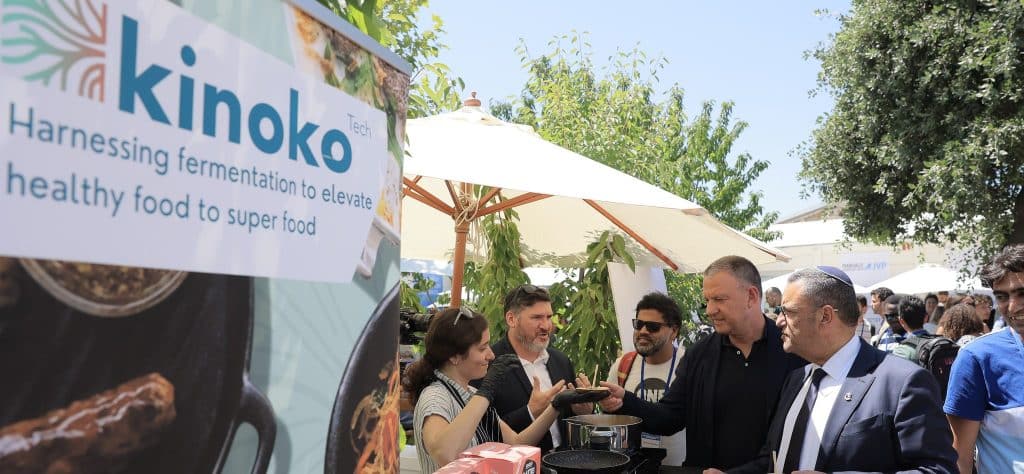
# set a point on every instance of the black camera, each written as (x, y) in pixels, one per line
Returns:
(411, 325)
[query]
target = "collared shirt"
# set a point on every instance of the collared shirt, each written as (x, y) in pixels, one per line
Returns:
(539, 368)
(836, 369)
(740, 401)
(888, 340)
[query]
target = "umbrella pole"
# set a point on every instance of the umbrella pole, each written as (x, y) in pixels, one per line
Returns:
(459, 263)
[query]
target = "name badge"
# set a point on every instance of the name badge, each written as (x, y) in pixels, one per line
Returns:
(648, 440)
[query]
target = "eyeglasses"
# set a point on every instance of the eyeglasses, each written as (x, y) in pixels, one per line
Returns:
(463, 312)
(652, 326)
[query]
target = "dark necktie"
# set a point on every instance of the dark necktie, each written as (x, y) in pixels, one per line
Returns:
(796, 440)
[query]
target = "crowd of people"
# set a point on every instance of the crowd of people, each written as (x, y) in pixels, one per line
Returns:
(807, 385)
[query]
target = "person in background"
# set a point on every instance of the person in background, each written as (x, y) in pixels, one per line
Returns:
(894, 333)
(655, 331)
(450, 415)
(773, 298)
(529, 388)
(878, 297)
(983, 308)
(852, 408)
(985, 401)
(961, 325)
(864, 328)
(943, 298)
(931, 302)
(911, 317)
(727, 385)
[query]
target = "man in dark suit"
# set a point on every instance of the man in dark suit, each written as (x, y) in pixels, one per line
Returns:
(528, 316)
(852, 408)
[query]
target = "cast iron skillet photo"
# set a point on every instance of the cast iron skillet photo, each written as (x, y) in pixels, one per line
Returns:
(363, 433)
(197, 338)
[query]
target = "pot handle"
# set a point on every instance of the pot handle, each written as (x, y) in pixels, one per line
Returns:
(255, 410)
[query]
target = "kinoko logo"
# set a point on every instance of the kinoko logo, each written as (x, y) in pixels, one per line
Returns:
(59, 43)
(199, 108)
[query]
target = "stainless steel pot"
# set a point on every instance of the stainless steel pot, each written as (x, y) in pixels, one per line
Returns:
(619, 433)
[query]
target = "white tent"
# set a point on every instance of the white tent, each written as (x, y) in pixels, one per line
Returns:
(929, 278)
(564, 200)
(781, 280)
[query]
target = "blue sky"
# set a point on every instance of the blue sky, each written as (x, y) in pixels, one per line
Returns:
(750, 52)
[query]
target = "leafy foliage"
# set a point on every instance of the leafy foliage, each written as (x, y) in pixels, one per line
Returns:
(433, 87)
(489, 281)
(619, 116)
(412, 284)
(589, 332)
(926, 139)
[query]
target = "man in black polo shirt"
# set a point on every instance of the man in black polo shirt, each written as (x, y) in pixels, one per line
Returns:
(727, 385)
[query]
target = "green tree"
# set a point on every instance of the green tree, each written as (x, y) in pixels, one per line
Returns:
(433, 87)
(588, 328)
(926, 138)
(620, 116)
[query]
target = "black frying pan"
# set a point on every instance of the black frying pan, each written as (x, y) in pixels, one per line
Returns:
(198, 338)
(585, 461)
(376, 349)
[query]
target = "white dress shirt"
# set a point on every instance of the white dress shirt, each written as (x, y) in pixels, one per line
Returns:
(539, 369)
(836, 368)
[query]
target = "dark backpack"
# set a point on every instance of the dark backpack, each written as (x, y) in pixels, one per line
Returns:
(936, 354)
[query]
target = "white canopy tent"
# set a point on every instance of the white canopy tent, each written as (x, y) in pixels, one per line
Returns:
(781, 280)
(929, 278)
(564, 201)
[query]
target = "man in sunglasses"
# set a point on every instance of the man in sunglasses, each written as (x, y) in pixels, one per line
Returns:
(727, 384)
(894, 333)
(655, 331)
(525, 395)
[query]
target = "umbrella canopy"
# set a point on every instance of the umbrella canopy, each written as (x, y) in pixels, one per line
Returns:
(564, 200)
(928, 278)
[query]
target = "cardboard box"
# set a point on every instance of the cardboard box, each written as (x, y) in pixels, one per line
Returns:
(506, 459)
(467, 466)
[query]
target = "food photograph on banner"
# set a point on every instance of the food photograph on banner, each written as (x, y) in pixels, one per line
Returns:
(200, 266)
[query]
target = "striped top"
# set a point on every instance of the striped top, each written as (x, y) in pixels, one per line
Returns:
(436, 399)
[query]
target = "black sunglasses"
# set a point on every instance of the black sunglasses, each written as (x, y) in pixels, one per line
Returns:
(652, 326)
(463, 312)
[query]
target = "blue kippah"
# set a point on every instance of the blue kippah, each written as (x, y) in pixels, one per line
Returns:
(836, 273)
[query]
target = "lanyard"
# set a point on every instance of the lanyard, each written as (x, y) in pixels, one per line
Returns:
(668, 380)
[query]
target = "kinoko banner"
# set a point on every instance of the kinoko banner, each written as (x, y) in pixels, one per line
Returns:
(199, 266)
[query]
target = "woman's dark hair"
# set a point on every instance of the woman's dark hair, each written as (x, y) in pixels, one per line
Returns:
(936, 315)
(446, 337)
(960, 320)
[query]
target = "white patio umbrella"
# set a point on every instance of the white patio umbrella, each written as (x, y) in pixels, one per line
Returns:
(564, 200)
(926, 278)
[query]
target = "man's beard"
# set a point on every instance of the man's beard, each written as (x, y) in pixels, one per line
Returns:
(655, 346)
(534, 347)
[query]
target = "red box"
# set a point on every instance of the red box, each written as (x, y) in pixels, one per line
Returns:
(507, 459)
(467, 466)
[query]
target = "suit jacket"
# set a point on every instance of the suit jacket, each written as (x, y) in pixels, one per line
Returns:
(891, 421)
(690, 401)
(511, 401)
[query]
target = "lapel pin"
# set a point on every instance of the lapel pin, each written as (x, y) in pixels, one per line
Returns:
(848, 397)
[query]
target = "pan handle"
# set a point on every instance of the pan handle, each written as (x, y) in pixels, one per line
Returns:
(255, 410)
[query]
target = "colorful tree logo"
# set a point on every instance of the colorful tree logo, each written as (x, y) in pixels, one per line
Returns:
(66, 40)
